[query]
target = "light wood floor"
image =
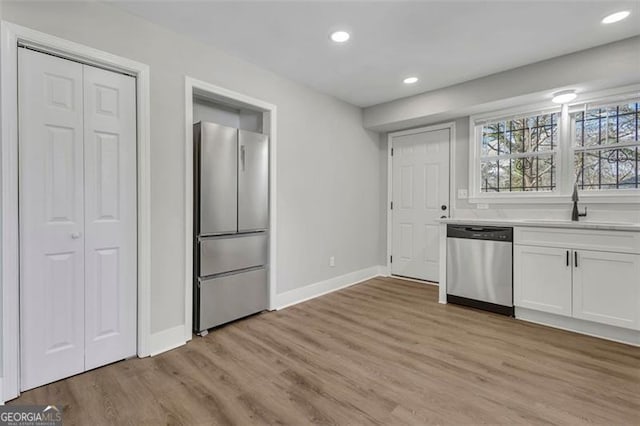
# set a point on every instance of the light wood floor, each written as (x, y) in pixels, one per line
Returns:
(381, 352)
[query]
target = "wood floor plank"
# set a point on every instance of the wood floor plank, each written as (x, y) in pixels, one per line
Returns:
(381, 352)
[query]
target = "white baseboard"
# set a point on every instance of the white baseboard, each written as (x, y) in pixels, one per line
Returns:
(383, 271)
(603, 331)
(311, 291)
(166, 340)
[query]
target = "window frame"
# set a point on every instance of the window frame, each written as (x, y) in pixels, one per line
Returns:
(563, 154)
(518, 155)
(574, 149)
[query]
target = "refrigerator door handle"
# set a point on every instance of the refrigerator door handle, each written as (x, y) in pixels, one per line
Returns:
(242, 155)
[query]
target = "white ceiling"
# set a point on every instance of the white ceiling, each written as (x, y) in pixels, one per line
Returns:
(441, 42)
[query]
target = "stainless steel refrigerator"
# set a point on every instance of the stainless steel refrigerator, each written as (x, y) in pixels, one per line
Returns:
(231, 218)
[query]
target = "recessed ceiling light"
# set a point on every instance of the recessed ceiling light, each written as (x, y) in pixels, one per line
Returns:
(340, 36)
(615, 17)
(564, 96)
(410, 80)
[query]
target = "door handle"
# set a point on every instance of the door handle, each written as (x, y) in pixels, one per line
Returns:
(242, 155)
(443, 217)
(575, 258)
(443, 207)
(75, 235)
(567, 257)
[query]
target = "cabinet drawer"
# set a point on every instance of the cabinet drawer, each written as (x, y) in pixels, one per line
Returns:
(225, 254)
(613, 241)
(230, 297)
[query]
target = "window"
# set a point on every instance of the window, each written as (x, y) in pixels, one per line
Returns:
(518, 154)
(538, 153)
(606, 147)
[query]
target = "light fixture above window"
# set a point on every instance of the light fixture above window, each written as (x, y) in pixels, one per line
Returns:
(410, 80)
(615, 17)
(339, 36)
(564, 96)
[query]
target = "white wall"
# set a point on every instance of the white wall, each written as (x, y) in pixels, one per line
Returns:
(204, 110)
(610, 65)
(207, 110)
(607, 66)
(328, 166)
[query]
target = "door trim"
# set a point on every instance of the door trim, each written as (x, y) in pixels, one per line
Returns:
(11, 36)
(451, 126)
(228, 97)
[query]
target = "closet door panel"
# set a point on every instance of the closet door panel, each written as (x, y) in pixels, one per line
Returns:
(110, 216)
(51, 212)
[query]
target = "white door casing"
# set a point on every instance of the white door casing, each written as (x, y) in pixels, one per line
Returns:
(51, 218)
(78, 217)
(269, 126)
(420, 187)
(110, 216)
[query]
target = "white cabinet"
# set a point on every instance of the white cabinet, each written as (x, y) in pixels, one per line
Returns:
(542, 279)
(606, 288)
(579, 274)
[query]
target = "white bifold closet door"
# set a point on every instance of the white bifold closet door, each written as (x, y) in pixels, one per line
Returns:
(77, 189)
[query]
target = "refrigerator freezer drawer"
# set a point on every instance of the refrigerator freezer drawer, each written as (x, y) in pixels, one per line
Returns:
(230, 297)
(230, 253)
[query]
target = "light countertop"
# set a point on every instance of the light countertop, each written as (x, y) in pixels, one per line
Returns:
(548, 223)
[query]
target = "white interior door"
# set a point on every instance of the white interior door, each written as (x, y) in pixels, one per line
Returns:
(110, 216)
(51, 218)
(77, 189)
(420, 176)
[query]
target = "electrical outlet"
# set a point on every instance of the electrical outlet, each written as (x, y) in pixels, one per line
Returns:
(463, 194)
(482, 206)
(332, 261)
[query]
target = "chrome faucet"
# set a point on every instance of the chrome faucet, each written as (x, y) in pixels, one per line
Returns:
(575, 214)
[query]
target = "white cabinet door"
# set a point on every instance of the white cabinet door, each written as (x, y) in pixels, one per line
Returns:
(420, 167)
(606, 288)
(51, 218)
(110, 216)
(542, 279)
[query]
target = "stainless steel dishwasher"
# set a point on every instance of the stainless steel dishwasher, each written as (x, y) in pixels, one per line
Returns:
(480, 267)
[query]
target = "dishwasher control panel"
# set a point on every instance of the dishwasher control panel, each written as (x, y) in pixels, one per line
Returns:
(492, 233)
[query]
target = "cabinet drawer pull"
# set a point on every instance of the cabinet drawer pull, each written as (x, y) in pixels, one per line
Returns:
(567, 257)
(575, 258)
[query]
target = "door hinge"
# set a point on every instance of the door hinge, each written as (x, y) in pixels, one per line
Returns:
(392, 205)
(391, 259)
